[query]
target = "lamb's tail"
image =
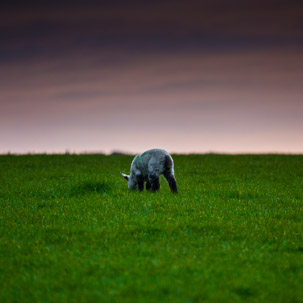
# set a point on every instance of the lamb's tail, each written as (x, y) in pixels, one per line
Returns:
(169, 164)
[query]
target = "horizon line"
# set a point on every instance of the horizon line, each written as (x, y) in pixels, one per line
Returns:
(126, 153)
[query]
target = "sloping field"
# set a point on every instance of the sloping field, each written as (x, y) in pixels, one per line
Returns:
(70, 231)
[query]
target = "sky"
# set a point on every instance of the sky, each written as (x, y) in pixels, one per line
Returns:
(186, 76)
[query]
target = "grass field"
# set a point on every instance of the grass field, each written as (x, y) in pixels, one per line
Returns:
(70, 231)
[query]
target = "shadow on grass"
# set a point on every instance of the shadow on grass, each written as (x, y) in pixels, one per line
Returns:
(90, 187)
(244, 292)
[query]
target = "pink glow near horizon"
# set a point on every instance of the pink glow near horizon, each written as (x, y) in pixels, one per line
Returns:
(225, 106)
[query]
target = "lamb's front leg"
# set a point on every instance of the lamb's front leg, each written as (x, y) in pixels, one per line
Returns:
(153, 178)
(140, 181)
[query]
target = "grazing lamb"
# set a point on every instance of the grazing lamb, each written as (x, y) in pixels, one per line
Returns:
(148, 167)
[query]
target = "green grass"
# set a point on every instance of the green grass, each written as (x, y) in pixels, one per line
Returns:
(70, 231)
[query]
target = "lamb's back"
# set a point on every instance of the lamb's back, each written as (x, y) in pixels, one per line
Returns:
(157, 160)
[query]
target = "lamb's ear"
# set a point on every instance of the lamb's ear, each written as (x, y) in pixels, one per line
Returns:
(125, 176)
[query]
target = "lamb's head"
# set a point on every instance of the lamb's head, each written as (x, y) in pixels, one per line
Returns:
(132, 183)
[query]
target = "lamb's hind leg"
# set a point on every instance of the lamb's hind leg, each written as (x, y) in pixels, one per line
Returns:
(153, 178)
(148, 185)
(170, 178)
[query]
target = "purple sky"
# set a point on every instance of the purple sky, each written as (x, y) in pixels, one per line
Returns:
(179, 75)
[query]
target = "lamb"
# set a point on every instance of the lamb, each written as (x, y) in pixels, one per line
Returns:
(148, 167)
